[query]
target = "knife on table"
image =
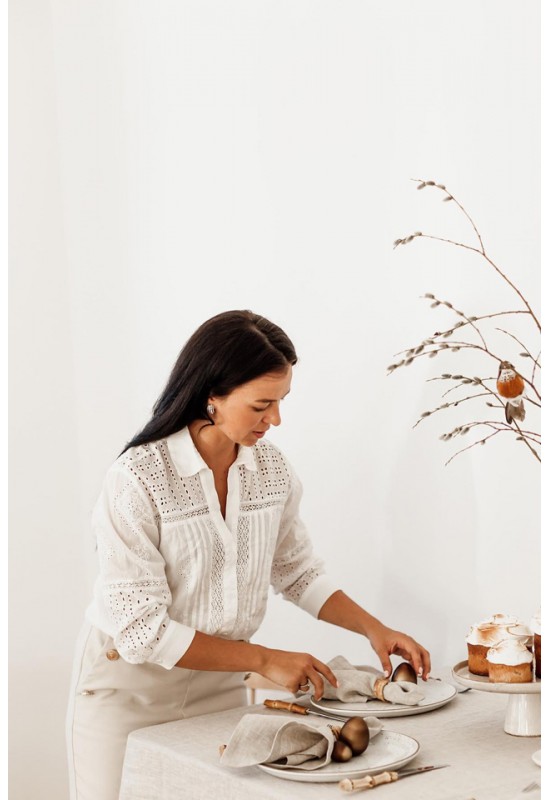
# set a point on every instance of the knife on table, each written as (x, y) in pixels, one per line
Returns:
(295, 708)
(372, 781)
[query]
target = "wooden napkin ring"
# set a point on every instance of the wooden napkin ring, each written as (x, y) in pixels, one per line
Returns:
(379, 686)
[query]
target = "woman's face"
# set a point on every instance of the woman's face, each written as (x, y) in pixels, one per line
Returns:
(248, 412)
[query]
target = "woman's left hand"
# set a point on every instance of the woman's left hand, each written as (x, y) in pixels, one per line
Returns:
(386, 642)
(341, 610)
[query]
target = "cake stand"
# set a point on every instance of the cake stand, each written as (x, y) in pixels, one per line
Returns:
(523, 710)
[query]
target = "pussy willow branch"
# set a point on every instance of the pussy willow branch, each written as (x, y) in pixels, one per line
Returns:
(453, 198)
(453, 346)
(497, 428)
(462, 429)
(471, 320)
(469, 447)
(526, 352)
(413, 353)
(479, 250)
(463, 379)
(496, 425)
(467, 381)
(499, 314)
(442, 340)
(535, 365)
(523, 397)
(485, 439)
(492, 263)
(452, 404)
(466, 320)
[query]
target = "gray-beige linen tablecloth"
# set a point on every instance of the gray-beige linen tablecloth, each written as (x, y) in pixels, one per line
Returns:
(181, 759)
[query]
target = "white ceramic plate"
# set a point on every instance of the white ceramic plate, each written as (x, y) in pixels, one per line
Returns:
(389, 750)
(436, 694)
(536, 758)
(462, 674)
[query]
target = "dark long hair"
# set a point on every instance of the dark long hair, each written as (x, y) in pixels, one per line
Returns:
(227, 350)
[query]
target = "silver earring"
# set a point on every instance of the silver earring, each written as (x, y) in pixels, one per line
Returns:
(210, 408)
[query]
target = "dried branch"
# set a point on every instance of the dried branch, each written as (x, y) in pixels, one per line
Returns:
(426, 414)
(447, 340)
(496, 430)
(416, 352)
(466, 320)
(524, 397)
(450, 197)
(464, 379)
(469, 447)
(535, 366)
(496, 427)
(480, 250)
(454, 347)
(525, 353)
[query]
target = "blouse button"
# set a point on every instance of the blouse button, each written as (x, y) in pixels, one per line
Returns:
(112, 655)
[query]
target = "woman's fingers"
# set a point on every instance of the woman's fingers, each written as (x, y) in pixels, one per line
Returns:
(418, 656)
(384, 657)
(316, 682)
(295, 670)
(416, 662)
(426, 664)
(326, 671)
(316, 678)
(402, 645)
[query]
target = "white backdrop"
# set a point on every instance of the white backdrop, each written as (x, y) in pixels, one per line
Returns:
(172, 160)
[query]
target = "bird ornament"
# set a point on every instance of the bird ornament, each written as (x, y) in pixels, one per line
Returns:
(510, 387)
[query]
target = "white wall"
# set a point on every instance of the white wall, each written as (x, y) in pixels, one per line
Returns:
(172, 160)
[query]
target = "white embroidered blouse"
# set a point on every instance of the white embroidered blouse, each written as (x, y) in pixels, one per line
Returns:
(170, 564)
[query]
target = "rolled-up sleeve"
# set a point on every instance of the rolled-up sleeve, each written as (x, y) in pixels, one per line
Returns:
(133, 596)
(297, 573)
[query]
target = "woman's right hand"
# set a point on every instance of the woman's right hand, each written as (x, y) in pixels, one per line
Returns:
(284, 668)
(293, 670)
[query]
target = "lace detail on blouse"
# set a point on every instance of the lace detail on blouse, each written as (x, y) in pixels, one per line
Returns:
(216, 579)
(269, 484)
(296, 589)
(168, 558)
(132, 510)
(243, 556)
(174, 497)
(124, 600)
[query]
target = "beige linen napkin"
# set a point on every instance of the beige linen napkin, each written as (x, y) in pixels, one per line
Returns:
(356, 684)
(259, 739)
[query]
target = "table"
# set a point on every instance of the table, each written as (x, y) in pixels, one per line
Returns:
(180, 759)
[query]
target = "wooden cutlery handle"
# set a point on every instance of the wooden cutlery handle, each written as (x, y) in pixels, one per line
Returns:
(368, 782)
(284, 706)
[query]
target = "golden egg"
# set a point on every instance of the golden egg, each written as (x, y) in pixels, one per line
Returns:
(355, 733)
(341, 751)
(404, 672)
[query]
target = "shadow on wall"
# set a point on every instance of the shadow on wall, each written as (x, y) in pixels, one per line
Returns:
(429, 551)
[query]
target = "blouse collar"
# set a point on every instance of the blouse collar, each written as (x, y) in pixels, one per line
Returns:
(188, 461)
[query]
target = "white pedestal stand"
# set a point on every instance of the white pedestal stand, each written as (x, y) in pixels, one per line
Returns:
(523, 710)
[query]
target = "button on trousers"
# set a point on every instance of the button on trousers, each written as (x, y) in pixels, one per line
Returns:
(109, 698)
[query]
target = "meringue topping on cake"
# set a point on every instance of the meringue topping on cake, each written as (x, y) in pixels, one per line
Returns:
(490, 631)
(510, 652)
(522, 632)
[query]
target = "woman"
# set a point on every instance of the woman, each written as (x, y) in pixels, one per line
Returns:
(197, 517)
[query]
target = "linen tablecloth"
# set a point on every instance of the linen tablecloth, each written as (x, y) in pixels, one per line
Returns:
(181, 760)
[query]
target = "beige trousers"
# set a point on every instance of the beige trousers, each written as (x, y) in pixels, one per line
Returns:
(110, 698)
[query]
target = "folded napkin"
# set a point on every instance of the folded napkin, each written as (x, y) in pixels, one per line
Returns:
(266, 739)
(259, 739)
(357, 684)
